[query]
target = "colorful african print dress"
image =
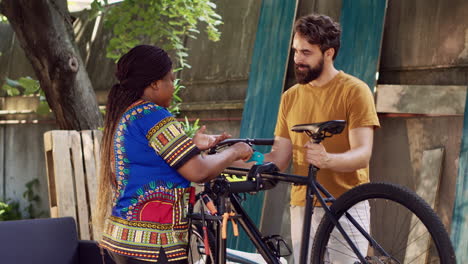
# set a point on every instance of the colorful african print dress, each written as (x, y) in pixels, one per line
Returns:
(150, 205)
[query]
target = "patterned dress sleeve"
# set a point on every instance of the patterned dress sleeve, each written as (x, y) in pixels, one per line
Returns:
(169, 140)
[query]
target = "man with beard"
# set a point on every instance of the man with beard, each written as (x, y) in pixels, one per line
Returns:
(324, 93)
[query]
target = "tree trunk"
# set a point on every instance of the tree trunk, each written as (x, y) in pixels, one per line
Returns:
(44, 30)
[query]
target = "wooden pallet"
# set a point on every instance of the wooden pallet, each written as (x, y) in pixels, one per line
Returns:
(72, 159)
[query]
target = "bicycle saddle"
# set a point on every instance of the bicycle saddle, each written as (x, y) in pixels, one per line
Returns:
(332, 127)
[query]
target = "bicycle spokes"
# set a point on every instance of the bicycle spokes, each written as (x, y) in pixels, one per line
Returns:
(399, 235)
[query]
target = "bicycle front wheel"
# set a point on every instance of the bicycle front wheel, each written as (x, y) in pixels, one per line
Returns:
(404, 227)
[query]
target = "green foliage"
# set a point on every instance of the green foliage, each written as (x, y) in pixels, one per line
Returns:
(9, 211)
(3, 19)
(27, 86)
(161, 22)
(33, 199)
(97, 7)
(190, 129)
(174, 108)
(10, 87)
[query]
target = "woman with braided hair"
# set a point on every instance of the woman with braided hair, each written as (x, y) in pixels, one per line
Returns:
(148, 163)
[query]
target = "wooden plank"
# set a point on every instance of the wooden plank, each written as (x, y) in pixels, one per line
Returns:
(428, 182)
(438, 99)
(267, 75)
(417, 36)
(80, 186)
(97, 137)
(362, 24)
(220, 105)
(50, 173)
(459, 232)
(2, 164)
(90, 166)
(64, 186)
(427, 187)
(429, 133)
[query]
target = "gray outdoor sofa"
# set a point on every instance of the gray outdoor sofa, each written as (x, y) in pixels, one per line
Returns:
(46, 241)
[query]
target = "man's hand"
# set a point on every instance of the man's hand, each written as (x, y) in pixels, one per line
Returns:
(317, 155)
(360, 140)
(204, 141)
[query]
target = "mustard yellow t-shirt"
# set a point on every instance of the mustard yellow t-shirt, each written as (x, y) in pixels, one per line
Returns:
(343, 98)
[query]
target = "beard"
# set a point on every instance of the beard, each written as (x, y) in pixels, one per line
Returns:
(308, 75)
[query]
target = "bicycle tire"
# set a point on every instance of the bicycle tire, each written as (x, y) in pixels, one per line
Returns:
(439, 250)
(196, 252)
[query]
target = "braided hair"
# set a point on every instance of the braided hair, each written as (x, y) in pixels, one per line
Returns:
(136, 70)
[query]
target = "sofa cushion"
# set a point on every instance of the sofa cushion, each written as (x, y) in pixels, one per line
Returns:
(39, 241)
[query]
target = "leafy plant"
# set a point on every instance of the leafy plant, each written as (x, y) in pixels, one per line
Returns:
(162, 22)
(190, 129)
(33, 199)
(3, 19)
(9, 211)
(174, 108)
(27, 86)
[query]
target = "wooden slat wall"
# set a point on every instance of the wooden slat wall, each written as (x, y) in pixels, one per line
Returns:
(72, 159)
(422, 34)
(397, 155)
(400, 156)
(22, 149)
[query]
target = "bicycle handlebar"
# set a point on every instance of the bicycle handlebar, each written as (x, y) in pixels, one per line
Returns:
(250, 141)
(260, 176)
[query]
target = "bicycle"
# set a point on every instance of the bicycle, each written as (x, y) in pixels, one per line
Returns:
(420, 238)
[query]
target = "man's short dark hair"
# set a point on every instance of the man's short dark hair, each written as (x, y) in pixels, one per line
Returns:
(320, 30)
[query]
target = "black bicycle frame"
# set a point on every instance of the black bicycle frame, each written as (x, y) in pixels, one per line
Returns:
(313, 189)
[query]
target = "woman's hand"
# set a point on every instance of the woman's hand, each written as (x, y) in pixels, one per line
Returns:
(244, 151)
(204, 141)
